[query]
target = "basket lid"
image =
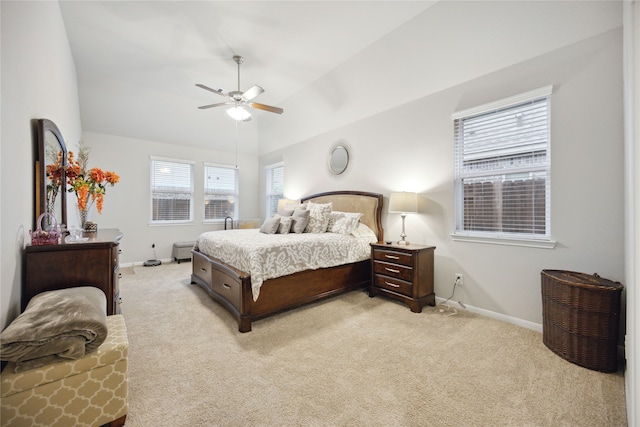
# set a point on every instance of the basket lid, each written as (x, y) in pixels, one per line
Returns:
(582, 279)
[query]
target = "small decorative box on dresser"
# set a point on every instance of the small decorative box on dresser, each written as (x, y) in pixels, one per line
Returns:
(68, 265)
(404, 273)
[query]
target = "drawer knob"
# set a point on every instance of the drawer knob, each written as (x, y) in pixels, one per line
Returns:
(204, 270)
(392, 256)
(226, 286)
(392, 270)
(391, 284)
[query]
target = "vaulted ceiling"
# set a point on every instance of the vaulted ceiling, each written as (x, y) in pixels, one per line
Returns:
(138, 62)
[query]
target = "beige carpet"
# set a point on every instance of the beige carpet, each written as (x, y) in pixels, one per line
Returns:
(348, 361)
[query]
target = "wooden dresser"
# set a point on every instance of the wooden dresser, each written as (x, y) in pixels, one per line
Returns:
(404, 273)
(90, 263)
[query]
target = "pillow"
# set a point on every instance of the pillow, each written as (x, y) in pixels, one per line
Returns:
(285, 225)
(270, 225)
(318, 217)
(299, 220)
(343, 222)
(363, 231)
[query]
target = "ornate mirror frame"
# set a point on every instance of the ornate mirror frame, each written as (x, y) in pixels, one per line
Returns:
(50, 197)
(338, 158)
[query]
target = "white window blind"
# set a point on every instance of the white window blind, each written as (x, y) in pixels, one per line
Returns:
(220, 192)
(275, 187)
(502, 164)
(171, 190)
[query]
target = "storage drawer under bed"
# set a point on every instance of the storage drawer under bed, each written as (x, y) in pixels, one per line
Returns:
(217, 281)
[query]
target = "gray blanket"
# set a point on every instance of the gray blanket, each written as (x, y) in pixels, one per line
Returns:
(66, 323)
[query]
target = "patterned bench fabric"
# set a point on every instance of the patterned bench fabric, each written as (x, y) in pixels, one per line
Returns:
(89, 391)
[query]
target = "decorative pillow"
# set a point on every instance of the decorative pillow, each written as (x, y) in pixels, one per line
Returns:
(343, 222)
(318, 217)
(299, 220)
(270, 225)
(285, 225)
(363, 231)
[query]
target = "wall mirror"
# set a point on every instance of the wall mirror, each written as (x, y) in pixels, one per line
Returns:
(338, 159)
(49, 179)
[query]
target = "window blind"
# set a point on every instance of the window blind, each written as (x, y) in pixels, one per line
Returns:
(275, 187)
(220, 192)
(502, 164)
(171, 190)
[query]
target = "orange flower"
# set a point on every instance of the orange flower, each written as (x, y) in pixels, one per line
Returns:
(82, 193)
(96, 175)
(99, 201)
(112, 177)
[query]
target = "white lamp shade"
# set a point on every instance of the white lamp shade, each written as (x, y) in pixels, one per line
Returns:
(403, 202)
(238, 113)
(282, 203)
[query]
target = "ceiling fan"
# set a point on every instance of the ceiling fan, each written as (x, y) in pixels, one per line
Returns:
(238, 99)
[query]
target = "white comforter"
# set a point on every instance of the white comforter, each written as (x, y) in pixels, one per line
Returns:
(266, 256)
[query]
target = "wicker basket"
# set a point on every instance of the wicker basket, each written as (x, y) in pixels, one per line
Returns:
(581, 318)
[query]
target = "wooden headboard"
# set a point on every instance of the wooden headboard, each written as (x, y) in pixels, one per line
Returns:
(368, 204)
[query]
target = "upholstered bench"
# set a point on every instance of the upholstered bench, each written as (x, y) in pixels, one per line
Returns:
(182, 251)
(90, 391)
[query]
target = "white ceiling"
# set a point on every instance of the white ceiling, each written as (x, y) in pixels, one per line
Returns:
(138, 62)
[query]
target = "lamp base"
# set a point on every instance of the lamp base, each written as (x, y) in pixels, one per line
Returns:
(402, 242)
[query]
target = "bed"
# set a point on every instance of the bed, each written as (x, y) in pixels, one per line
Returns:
(232, 287)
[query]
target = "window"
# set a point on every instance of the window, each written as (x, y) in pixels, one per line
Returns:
(171, 191)
(220, 192)
(502, 164)
(275, 187)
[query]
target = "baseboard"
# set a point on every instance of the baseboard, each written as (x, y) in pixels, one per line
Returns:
(498, 316)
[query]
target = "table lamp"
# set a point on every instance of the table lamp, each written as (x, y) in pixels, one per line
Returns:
(403, 203)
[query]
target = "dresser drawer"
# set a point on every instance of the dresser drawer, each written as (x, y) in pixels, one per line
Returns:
(393, 257)
(392, 284)
(393, 270)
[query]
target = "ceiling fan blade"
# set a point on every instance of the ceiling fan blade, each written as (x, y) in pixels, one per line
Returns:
(264, 107)
(216, 91)
(219, 104)
(252, 92)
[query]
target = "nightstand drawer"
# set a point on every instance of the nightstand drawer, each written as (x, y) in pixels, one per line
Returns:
(393, 270)
(392, 284)
(393, 256)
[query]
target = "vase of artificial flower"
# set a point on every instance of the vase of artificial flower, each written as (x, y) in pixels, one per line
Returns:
(88, 184)
(85, 215)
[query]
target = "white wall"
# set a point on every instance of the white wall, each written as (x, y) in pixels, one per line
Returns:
(450, 43)
(411, 148)
(38, 81)
(127, 204)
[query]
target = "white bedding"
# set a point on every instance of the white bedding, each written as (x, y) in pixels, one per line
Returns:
(266, 256)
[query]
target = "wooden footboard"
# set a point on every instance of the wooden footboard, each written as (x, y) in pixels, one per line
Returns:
(232, 287)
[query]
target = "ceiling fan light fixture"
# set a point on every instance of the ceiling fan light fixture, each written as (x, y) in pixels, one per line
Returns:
(238, 113)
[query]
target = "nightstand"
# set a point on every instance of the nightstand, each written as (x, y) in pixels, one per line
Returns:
(404, 273)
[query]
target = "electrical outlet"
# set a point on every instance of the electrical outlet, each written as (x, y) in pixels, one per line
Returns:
(459, 279)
